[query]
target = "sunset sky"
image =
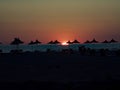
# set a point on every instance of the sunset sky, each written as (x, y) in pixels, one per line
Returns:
(47, 20)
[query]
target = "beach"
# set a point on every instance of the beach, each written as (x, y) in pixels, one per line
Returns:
(58, 68)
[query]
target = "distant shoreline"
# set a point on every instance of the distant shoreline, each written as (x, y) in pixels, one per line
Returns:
(57, 48)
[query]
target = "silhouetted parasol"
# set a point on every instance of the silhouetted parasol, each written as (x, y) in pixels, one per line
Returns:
(31, 43)
(87, 41)
(37, 42)
(75, 42)
(51, 42)
(94, 41)
(17, 42)
(105, 41)
(56, 42)
(113, 41)
(69, 42)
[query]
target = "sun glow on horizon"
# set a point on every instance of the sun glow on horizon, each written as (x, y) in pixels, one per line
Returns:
(64, 43)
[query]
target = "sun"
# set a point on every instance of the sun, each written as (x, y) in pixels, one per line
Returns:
(64, 43)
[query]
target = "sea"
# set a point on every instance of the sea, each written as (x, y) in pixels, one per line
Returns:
(44, 47)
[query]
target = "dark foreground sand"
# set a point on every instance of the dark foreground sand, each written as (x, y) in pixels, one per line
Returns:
(59, 71)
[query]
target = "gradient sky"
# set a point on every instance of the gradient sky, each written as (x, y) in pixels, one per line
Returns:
(59, 19)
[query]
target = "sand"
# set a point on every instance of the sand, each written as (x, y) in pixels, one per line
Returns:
(58, 68)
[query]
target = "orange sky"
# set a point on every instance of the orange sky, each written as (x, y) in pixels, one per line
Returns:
(47, 20)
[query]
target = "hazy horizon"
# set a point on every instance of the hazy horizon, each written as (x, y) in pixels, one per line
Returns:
(63, 20)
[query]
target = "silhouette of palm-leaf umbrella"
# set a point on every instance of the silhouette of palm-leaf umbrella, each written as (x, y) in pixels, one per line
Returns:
(113, 41)
(105, 41)
(69, 42)
(31, 43)
(37, 42)
(75, 41)
(51, 42)
(0, 43)
(56, 42)
(17, 42)
(87, 42)
(94, 41)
